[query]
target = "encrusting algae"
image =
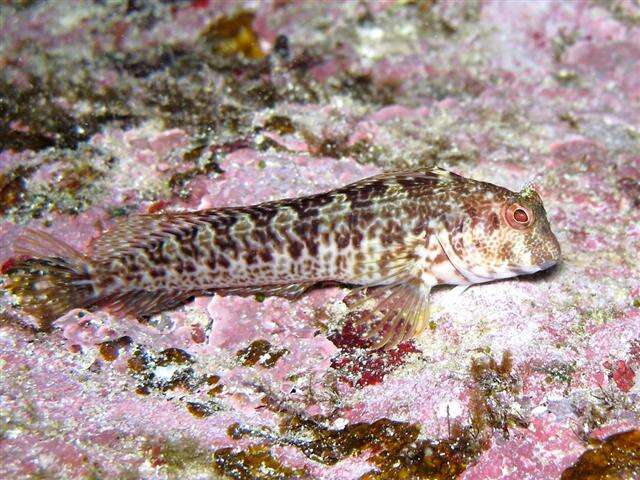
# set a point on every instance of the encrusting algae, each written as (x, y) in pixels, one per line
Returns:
(394, 236)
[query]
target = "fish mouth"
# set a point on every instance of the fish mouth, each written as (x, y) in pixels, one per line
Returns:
(537, 267)
(547, 264)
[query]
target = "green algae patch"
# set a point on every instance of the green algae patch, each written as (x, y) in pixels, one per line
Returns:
(616, 457)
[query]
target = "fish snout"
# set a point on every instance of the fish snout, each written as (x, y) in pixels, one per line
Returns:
(552, 254)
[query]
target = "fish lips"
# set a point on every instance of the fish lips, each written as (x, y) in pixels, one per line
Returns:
(528, 270)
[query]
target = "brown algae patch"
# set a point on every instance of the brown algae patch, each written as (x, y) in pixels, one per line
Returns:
(167, 370)
(616, 457)
(396, 452)
(260, 352)
(110, 350)
(253, 463)
(170, 370)
(178, 456)
(234, 35)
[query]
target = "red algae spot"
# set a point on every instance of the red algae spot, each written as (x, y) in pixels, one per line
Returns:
(617, 457)
(260, 352)
(197, 333)
(362, 367)
(157, 207)
(199, 3)
(7, 265)
(622, 374)
(253, 463)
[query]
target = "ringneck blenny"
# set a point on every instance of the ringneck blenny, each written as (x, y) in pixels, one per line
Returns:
(392, 236)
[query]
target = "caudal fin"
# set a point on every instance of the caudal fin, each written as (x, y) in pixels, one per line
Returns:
(55, 279)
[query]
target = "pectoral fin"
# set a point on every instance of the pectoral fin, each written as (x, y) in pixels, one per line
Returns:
(401, 312)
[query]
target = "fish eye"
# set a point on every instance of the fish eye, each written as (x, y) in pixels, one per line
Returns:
(518, 216)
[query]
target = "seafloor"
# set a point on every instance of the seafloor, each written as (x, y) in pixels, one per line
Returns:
(112, 108)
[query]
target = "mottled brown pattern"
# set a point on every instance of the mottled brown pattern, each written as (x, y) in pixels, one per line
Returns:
(405, 230)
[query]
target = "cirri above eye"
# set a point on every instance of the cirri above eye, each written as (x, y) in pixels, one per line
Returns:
(518, 216)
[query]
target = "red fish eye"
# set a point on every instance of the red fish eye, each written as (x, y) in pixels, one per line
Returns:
(520, 216)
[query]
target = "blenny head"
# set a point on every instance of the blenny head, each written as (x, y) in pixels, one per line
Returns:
(497, 233)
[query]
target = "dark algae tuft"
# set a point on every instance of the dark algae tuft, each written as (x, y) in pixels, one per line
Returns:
(331, 446)
(617, 457)
(13, 186)
(280, 123)
(201, 410)
(492, 394)
(178, 375)
(42, 122)
(75, 184)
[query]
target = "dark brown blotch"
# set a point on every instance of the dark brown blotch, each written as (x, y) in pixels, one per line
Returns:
(295, 249)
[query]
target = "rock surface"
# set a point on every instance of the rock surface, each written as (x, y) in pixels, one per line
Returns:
(111, 109)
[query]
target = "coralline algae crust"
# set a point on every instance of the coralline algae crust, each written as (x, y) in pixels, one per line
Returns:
(113, 110)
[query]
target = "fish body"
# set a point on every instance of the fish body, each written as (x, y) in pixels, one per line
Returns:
(393, 236)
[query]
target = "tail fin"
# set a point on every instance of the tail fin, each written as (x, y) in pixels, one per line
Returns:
(55, 279)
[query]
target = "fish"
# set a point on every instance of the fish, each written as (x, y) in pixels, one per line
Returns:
(390, 238)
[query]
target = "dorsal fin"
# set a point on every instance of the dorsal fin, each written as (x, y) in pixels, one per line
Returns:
(38, 244)
(422, 173)
(139, 231)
